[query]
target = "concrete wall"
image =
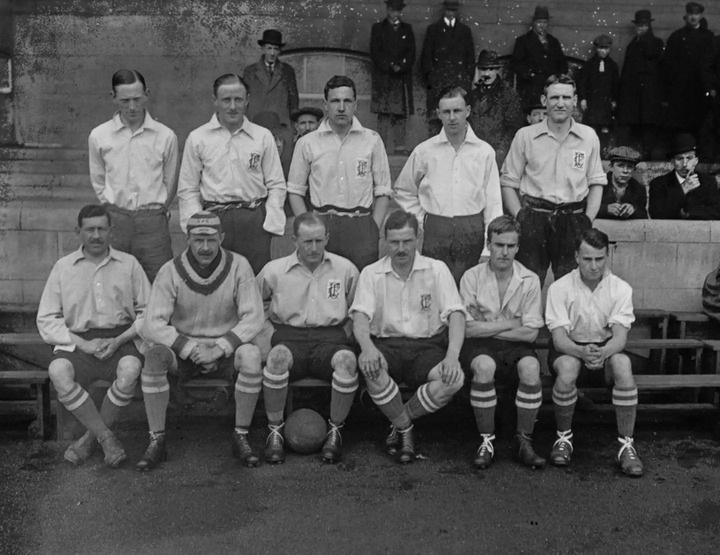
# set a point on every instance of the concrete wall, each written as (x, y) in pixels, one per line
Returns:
(64, 51)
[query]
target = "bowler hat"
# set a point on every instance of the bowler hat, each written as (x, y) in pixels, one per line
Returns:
(624, 154)
(451, 4)
(643, 16)
(317, 112)
(271, 36)
(268, 120)
(541, 12)
(488, 59)
(683, 142)
(602, 41)
(395, 4)
(694, 7)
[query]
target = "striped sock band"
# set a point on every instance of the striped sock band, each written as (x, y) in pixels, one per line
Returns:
(275, 381)
(75, 398)
(483, 395)
(386, 395)
(428, 403)
(118, 397)
(344, 384)
(528, 397)
(249, 384)
(624, 397)
(563, 399)
(154, 383)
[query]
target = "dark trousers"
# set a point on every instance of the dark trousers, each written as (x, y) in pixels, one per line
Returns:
(457, 241)
(143, 233)
(355, 238)
(548, 236)
(244, 233)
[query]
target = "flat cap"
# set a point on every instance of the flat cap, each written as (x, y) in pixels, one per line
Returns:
(624, 154)
(694, 7)
(602, 41)
(317, 112)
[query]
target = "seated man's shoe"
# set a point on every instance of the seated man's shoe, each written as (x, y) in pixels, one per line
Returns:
(155, 453)
(274, 445)
(113, 449)
(562, 449)
(485, 452)
(242, 449)
(332, 448)
(526, 453)
(220, 399)
(628, 458)
(406, 446)
(80, 451)
(392, 441)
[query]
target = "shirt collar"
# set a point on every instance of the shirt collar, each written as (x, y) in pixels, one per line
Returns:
(247, 126)
(543, 129)
(324, 126)
(580, 283)
(293, 260)
(470, 136)
(450, 22)
(78, 255)
(148, 122)
(420, 263)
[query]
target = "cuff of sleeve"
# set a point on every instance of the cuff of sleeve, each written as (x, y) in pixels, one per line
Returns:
(507, 182)
(361, 310)
(624, 322)
(274, 220)
(383, 192)
(555, 325)
(297, 189)
(229, 343)
(445, 315)
(535, 323)
(182, 346)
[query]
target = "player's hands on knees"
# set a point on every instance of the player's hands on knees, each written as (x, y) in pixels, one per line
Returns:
(107, 348)
(450, 371)
(371, 361)
(203, 355)
(593, 357)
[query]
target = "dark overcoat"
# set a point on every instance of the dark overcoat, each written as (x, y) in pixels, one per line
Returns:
(533, 63)
(277, 94)
(635, 194)
(495, 116)
(599, 89)
(667, 198)
(639, 101)
(448, 58)
(392, 90)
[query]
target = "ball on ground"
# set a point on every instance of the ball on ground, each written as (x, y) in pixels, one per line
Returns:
(305, 431)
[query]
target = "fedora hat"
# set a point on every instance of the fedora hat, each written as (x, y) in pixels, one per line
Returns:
(488, 59)
(271, 36)
(643, 16)
(541, 12)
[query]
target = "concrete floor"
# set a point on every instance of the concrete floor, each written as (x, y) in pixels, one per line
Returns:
(201, 501)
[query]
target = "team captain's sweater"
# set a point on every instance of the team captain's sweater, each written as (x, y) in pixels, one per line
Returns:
(184, 309)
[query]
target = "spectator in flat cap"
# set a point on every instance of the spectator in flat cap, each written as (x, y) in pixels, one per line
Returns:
(639, 101)
(537, 55)
(392, 50)
(535, 113)
(305, 120)
(687, 71)
(495, 109)
(684, 194)
(598, 85)
(448, 58)
(623, 198)
(272, 82)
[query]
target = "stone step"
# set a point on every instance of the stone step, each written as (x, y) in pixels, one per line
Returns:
(42, 153)
(79, 167)
(58, 179)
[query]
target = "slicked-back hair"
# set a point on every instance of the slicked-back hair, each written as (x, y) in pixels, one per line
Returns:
(562, 79)
(593, 237)
(227, 79)
(503, 224)
(400, 219)
(338, 81)
(451, 91)
(93, 211)
(127, 77)
(310, 219)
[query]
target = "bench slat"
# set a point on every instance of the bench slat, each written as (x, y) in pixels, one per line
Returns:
(676, 381)
(18, 377)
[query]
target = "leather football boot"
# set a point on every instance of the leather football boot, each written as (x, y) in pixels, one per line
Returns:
(113, 449)
(80, 451)
(242, 449)
(485, 452)
(155, 453)
(391, 441)
(628, 458)
(525, 452)
(406, 446)
(332, 448)
(274, 445)
(562, 449)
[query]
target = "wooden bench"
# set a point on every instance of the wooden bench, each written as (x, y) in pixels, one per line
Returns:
(39, 381)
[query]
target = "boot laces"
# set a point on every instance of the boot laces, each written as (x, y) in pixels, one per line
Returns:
(627, 445)
(564, 440)
(486, 446)
(275, 436)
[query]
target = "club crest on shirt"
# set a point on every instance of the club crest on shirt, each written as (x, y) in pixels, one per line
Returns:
(254, 161)
(334, 287)
(362, 167)
(578, 159)
(425, 301)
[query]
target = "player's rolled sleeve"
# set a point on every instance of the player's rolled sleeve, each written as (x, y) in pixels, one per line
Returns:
(276, 187)
(468, 286)
(299, 169)
(493, 197)
(364, 301)
(170, 167)
(382, 183)
(556, 313)
(449, 300)
(532, 304)
(514, 165)
(595, 173)
(407, 186)
(622, 310)
(97, 169)
(50, 318)
(190, 199)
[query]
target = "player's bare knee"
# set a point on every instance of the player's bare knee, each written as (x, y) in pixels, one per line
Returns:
(529, 371)
(279, 360)
(568, 369)
(128, 371)
(621, 368)
(247, 359)
(62, 375)
(345, 363)
(483, 368)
